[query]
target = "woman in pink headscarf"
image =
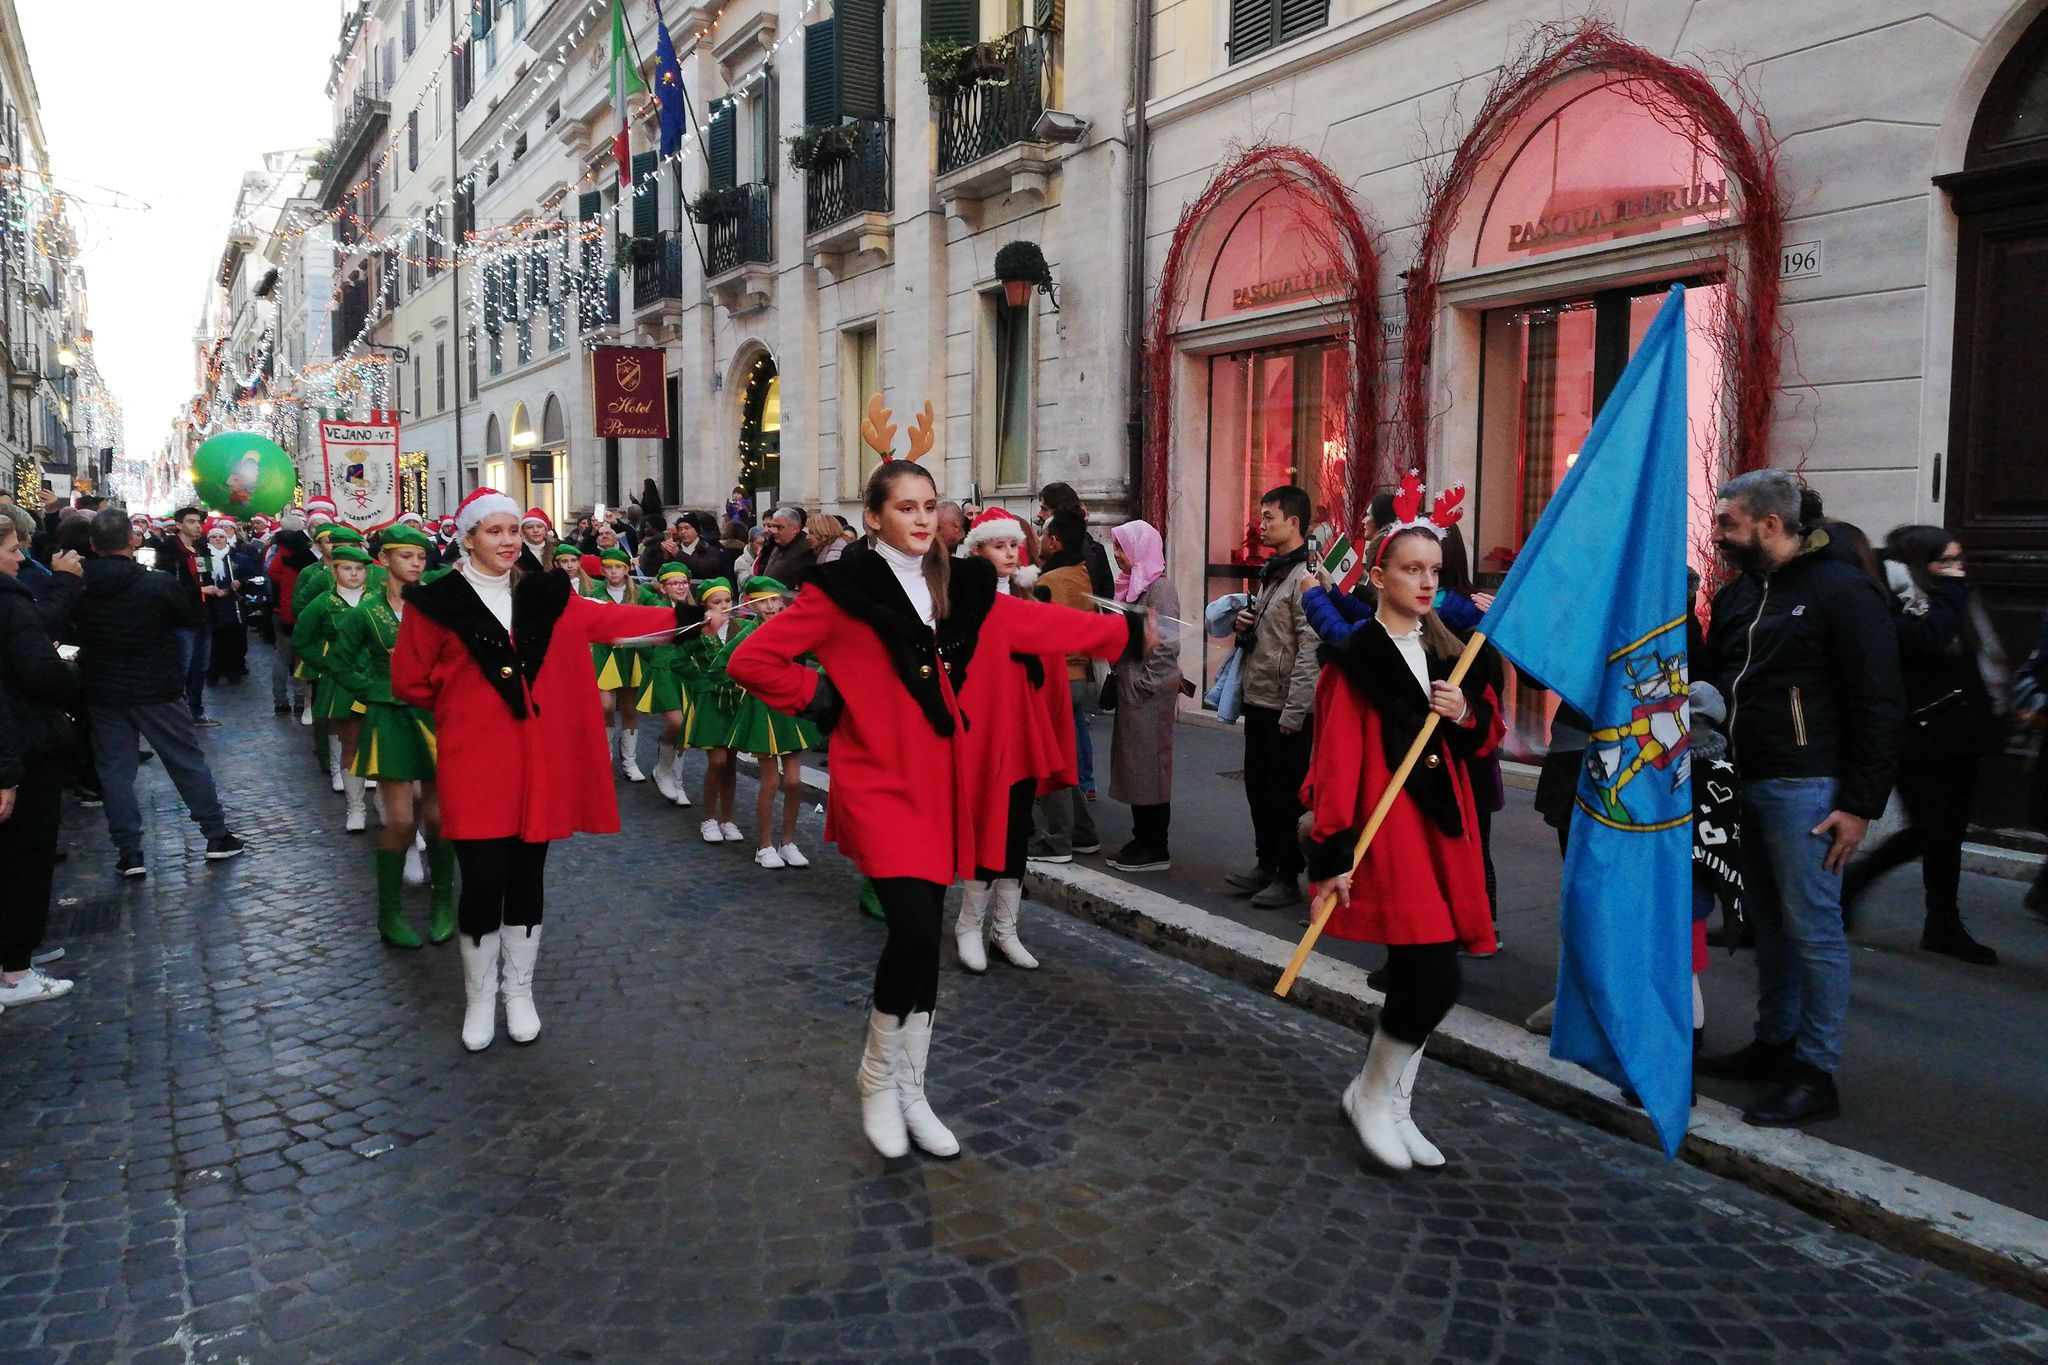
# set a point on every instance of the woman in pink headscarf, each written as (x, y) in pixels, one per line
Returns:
(1147, 691)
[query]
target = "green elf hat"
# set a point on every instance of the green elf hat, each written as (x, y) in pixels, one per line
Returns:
(673, 570)
(711, 587)
(615, 555)
(350, 554)
(761, 585)
(398, 533)
(338, 534)
(567, 551)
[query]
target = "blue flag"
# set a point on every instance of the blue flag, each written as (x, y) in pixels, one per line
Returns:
(668, 85)
(1595, 609)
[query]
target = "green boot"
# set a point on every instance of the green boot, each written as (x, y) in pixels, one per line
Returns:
(870, 900)
(441, 871)
(391, 901)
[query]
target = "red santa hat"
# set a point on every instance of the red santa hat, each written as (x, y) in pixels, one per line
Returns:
(995, 523)
(221, 524)
(320, 502)
(535, 514)
(484, 502)
(413, 517)
(448, 524)
(139, 519)
(319, 517)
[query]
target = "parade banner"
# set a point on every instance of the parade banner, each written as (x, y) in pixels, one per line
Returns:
(361, 470)
(629, 391)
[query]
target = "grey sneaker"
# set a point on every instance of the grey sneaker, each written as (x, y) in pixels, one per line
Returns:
(1278, 895)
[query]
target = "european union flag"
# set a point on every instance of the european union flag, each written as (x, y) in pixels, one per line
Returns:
(668, 85)
(1595, 608)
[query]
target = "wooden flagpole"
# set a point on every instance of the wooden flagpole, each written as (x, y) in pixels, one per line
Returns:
(1327, 902)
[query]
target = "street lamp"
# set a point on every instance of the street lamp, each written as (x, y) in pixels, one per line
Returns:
(67, 357)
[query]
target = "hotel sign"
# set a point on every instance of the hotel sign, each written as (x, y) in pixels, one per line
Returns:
(1636, 211)
(629, 391)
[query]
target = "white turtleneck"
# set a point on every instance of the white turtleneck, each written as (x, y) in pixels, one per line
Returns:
(909, 571)
(352, 596)
(494, 589)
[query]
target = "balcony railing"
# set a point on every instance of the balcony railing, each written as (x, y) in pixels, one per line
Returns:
(743, 233)
(856, 183)
(992, 114)
(661, 276)
(356, 130)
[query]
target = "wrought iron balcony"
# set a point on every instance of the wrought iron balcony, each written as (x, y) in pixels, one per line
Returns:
(659, 276)
(741, 231)
(356, 131)
(856, 183)
(999, 108)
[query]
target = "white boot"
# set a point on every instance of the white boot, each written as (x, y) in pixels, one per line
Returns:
(629, 755)
(1003, 905)
(970, 932)
(334, 761)
(881, 1107)
(479, 990)
(357, 817)
(521, 947)
(1420, 1149)
(306, 714)
(415, 865)
(1371, 1100)
(665, 771)
(682, 796)
(925, 1129)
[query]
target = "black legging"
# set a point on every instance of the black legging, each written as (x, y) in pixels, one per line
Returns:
(501, 884)
(1937, 794)
(28, 851)
(1023, 798)
(1422, 985)
(907, 977)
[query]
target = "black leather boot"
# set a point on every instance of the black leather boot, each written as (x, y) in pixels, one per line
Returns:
(1946, 935)
(1808, 1097)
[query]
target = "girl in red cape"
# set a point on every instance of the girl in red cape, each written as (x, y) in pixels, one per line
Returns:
(1422, 884)
(502, 660)
(899, 628)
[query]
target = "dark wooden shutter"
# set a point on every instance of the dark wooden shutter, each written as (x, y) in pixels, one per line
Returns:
(1050, 15)
(821, 73)
(861, 42)
(646, 197)
(412, 140)
(952, 22)
(412, 29)
(1301, 16)
(480, 18)
(724, 149)
(1251, 28)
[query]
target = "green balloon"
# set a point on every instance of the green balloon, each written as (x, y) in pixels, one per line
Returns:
(242, 474)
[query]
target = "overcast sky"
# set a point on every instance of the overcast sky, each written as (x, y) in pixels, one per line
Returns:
(169, 104)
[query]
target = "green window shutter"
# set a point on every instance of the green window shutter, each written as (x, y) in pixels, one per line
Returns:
(724, 149)
(480, 19)
(861, 42)
(1050, 15)
(1251, 28)
(821, 73)
(952, 22)
(646, 197)
(589, 207)
(1301, 16)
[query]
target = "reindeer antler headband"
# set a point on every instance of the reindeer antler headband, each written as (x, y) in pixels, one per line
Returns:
(1443, 513)
(878, 433)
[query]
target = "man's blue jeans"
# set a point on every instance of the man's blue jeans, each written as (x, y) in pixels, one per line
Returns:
(1802, 950)
(1084, 739)
(195, 654)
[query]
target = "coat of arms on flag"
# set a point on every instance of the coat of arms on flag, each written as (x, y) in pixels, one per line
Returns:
(1345, 563)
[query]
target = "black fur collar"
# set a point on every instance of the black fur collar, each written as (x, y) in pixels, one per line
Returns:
(1370, 658)
(538, 601)
(865, 588)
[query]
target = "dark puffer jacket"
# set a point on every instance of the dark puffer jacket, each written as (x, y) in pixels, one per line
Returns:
(127, 624)
(35, 685)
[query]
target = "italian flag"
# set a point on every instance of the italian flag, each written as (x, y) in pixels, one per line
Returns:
(626, 82)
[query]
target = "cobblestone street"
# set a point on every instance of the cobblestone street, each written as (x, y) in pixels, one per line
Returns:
(252, 1134)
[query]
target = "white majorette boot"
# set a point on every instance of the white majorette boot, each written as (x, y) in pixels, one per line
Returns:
(665, 771)
(306, 713)
(629, 755)
(925, 1129)
(334, 761)
(357, 817)
(479, 990)
(1006, 898)
(881, 1107)
(1369, 1100)
(682, 796)
(970, 931)
(1421, 1150)
(521, 945)
(415, 864)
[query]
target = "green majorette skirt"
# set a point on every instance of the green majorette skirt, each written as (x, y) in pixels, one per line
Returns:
(397, 743)
(332, 701)
(709, 723)
(661, 692)
(758, 728)
(617, 668)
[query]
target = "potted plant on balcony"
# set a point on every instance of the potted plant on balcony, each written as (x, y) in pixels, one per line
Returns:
(718, 205)
(950, 68)
(819, 146)
(634, 251)
(1021, 266)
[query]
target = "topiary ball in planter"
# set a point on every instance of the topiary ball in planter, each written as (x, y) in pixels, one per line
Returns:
(1021, 267)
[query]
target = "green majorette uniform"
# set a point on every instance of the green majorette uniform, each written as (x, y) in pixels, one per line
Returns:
(712, 697)
(397, 742)
(314, 636)
(620, 665)
(662, 689)
(315, 579)
(757, 727)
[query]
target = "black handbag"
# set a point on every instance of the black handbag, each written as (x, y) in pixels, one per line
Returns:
(1107, 701)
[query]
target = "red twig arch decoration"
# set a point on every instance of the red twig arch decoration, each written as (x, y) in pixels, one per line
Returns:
(1349, 240)
(1686, 99)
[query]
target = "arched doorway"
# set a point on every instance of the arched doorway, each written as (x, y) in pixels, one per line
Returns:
(760, 450)
(494, 455)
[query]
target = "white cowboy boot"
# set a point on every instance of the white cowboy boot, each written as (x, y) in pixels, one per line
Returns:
(357, 817)
(1004, 903)
(682, 796)
(629, 755)
(665, 770)
(334, 762)
(925, 1129)
(479, 990)
(881, 1107)
(1370, 1100)
(970, 932)
(1420, 1149)
(521, 945)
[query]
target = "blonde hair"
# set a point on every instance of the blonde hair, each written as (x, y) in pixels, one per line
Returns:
(1437, 637)
(821, 529)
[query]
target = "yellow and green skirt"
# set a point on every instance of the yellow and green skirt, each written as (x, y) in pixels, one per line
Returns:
(708, 724)
(662, 692)
(758, 728)
(618, 668)
(397, 743)
(332, 701)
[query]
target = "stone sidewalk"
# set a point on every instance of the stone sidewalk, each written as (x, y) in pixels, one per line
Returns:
(251, 1134)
